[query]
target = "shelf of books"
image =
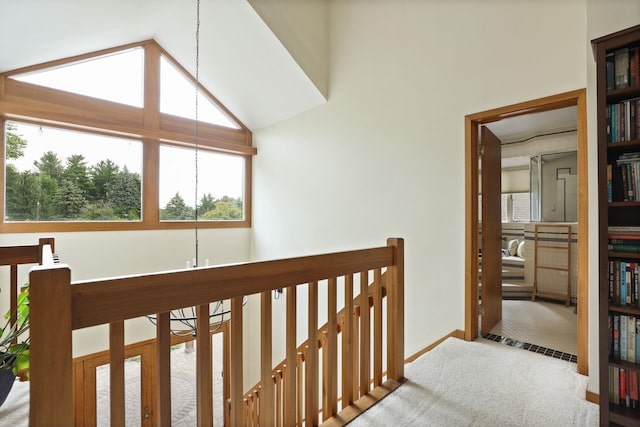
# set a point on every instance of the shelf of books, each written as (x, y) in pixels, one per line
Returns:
(618, 111)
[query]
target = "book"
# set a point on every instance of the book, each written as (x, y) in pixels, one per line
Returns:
(609, 184)
(623, 337)
(633, 388)
(634, 66)
(624, 229)
(623, 387)
(621, 68)
(624, 248)
(637, 118)
(636, 276)
(610, 71)
(637, 339)
(627, 279)
(616, 336)
(625, 185)
(631, 339)
(608, 121)
(632, 120)
(611, 285)
(616, 385)
(616, 273)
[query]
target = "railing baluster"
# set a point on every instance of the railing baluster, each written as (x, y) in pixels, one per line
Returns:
(226, 372)
(290, 376)
(347, 343)
(395, 313)
(300, 385)
(311, 363)
(377, 327)
(356, 353)
(163, 352)
(266, 394)
(330, 374)
(365, 334)
(235, 371)
(278, 378)
(116, 373)
(204, 374)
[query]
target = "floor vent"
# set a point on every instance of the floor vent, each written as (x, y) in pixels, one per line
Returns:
(533, 348)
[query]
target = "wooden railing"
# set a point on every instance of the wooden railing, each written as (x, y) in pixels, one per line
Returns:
(355, 332)
(13, 256)
(58, 308)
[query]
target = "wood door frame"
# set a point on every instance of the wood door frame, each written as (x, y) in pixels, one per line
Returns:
(576, 98)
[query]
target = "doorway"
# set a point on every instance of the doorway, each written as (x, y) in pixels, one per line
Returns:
(473, 124)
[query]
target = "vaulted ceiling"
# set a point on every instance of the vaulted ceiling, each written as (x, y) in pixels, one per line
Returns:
(241, 61)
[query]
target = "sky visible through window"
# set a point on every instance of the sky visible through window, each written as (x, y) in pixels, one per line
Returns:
(118, 77)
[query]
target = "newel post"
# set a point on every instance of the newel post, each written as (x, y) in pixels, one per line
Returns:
(395, 312)
(51, 369)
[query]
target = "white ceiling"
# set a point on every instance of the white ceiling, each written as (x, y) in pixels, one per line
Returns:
(241, 61)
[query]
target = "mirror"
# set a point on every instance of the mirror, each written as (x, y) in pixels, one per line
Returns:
(554, 187)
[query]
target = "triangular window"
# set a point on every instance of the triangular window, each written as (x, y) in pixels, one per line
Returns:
(116, 77)
(177, 97)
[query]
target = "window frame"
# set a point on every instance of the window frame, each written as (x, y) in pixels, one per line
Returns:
(29, 103)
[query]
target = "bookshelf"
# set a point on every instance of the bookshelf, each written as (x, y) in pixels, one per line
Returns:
(617, 58)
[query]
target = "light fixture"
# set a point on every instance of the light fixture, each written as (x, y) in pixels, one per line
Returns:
(182, 322)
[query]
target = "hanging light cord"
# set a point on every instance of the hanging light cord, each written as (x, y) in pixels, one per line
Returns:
(195, 263)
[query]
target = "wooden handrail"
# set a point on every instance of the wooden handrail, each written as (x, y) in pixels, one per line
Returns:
(58, 308)
(13, 256)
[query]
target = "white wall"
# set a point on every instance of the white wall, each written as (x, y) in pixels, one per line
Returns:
(385, 156)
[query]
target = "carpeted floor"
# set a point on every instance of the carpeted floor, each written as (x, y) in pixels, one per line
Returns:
(483, 383)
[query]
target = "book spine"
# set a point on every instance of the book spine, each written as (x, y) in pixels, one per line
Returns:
(623, 387)
(632, 120)
(610, 72)
(624, 248)
(609, 183)
(623, 284)
(634, 66)
(616, 273)
(638, 118)
(625, 188)
(630, 183)
(631, 339)
(616, 385)
(616, 336)
(611, 283)
(609, 136)
(621, 67)
(623, 122)
(636, 285)
(623, 337)
(633, 388)
(637, 339)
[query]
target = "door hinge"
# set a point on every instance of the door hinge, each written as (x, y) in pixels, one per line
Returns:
(481, 308)
(481, 150)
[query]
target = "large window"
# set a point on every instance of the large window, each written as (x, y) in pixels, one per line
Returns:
(220, 179)
(108, 140)
(515, 207)
(60, 175)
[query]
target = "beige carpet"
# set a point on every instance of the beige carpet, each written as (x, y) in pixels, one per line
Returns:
(483, 383)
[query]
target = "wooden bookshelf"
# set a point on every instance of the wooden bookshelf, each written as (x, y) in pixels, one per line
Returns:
(619, 206)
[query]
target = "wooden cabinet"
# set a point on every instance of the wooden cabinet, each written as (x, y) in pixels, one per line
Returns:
(618, 112)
